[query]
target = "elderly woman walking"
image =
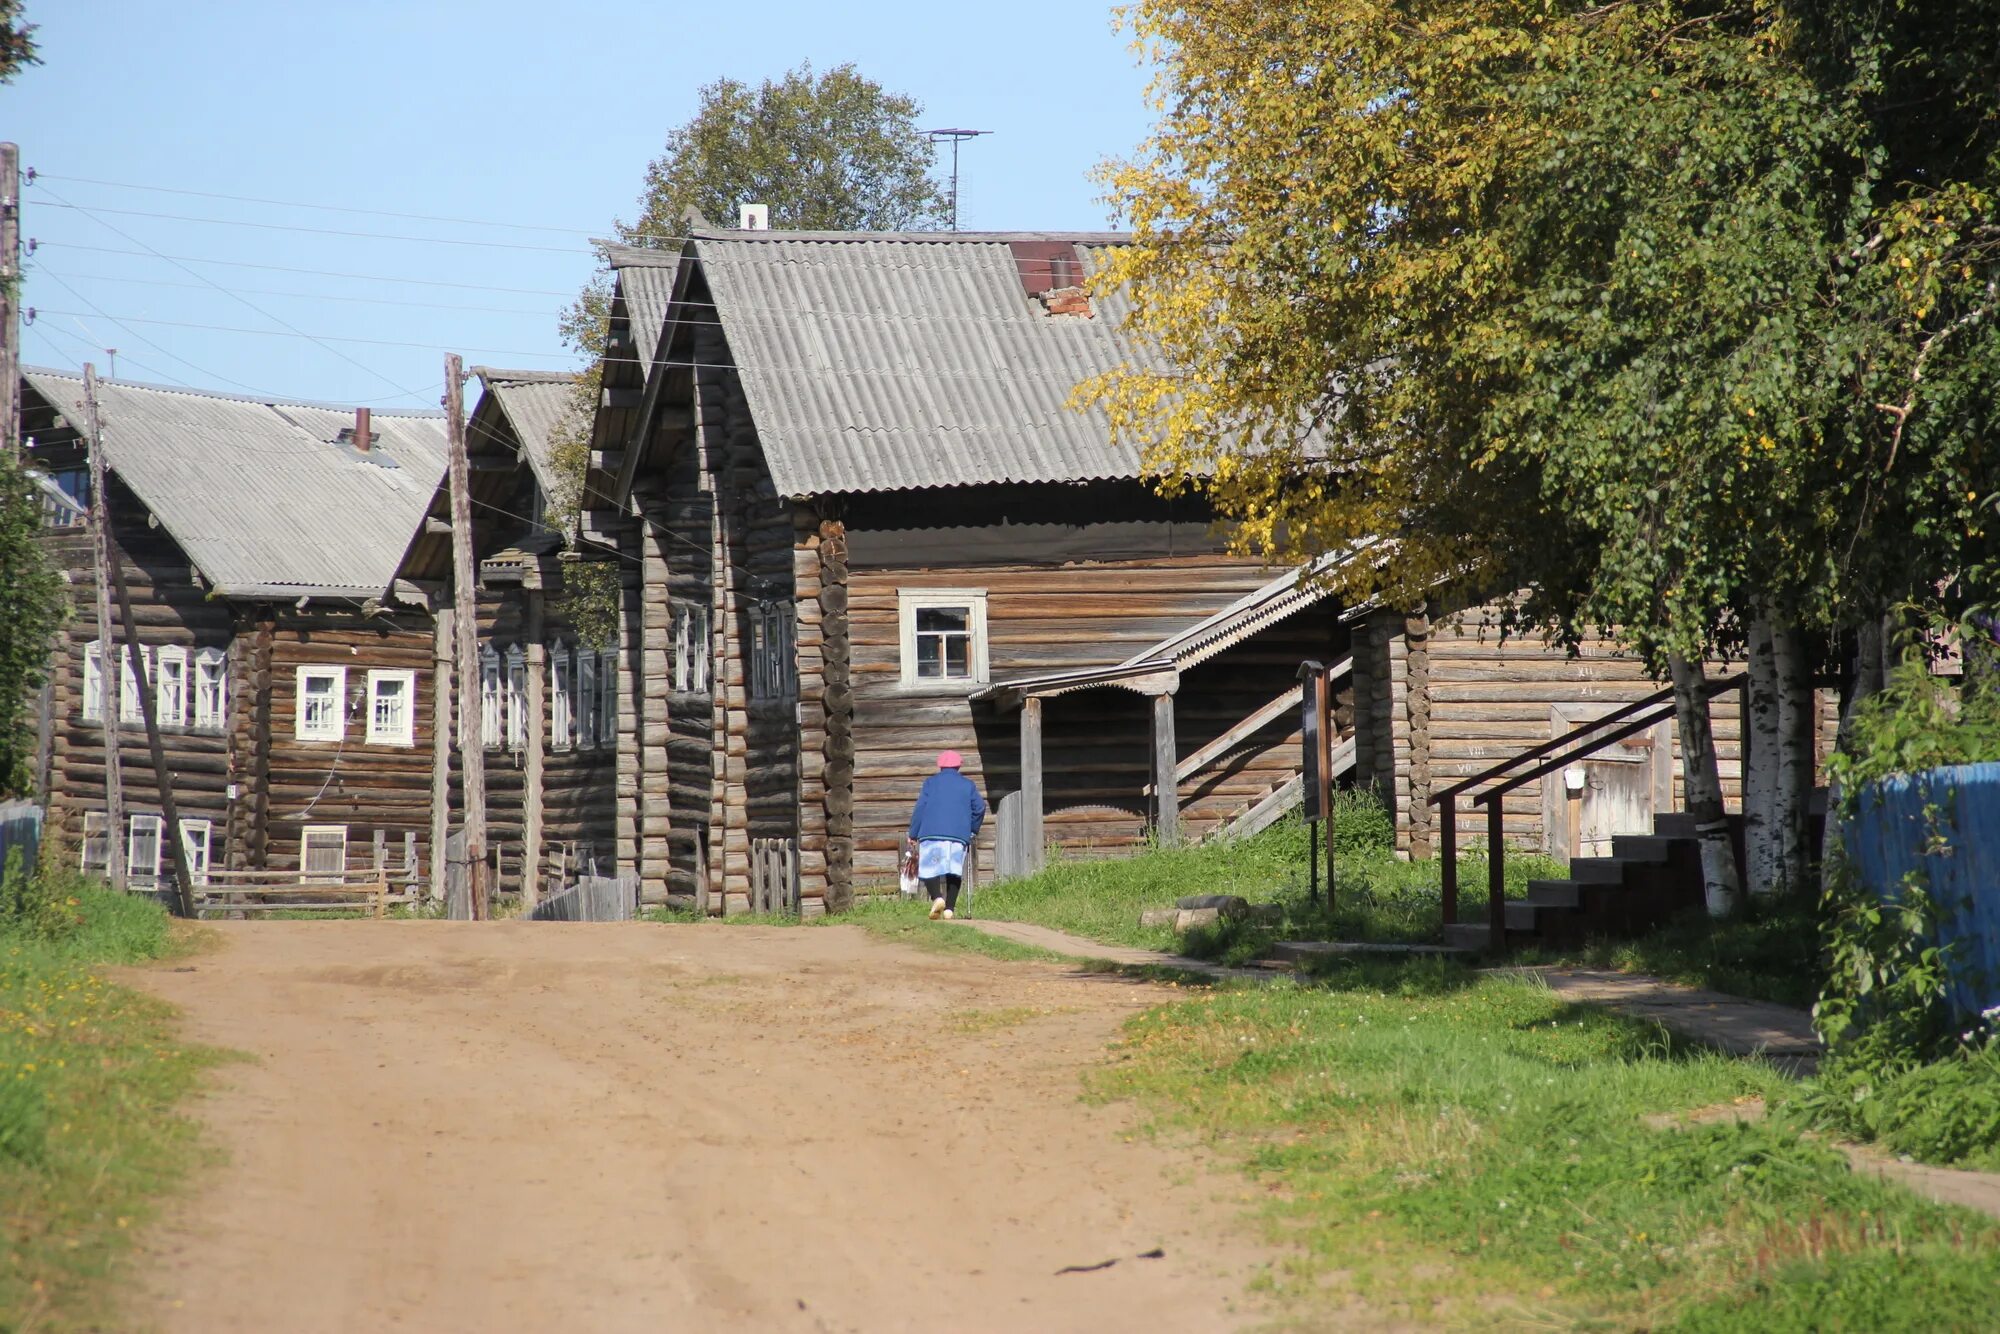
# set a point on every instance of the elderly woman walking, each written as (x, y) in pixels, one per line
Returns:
(947, 818)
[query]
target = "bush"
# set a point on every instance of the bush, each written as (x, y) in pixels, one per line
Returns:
(1361, 823)
(79, 916)
(1944, 1112)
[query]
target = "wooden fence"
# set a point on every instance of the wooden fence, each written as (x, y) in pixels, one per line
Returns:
(293, 891)
(596, 898)
(774, 876)
(20, 827)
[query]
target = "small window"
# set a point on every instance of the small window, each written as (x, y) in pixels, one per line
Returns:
(392, 699)
(142, 850)
(773, 674)
(943, 636)
(562, 713)
(131, 709)
(322, 713)
(691, 649)
(194, 841)
(489, 696)
(517, 699)
(324, 851)
(96, 841)
(170, 686)
(93, 681)
(607, 696)
(585, 677)
(211, 689)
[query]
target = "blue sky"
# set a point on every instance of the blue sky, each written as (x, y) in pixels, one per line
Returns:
(502, 112)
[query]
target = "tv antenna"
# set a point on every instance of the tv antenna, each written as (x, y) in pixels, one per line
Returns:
(956, 138)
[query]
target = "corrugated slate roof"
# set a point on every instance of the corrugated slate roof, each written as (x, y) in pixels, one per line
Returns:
(646, 282)
(888, 361)
(536, 403)
(256, 491)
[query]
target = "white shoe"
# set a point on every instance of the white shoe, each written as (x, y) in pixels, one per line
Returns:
(948, 914)
(938, 909)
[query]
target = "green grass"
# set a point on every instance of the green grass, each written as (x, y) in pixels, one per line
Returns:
(1454, 1149)
(90, 1076)
(1768, 951)
(1377, 896)
(888, 916)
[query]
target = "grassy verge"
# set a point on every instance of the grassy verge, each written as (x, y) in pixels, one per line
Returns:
(1379, 897)
(1459, 1150)
(1768, 951)
(90, 1074)
(889, 917)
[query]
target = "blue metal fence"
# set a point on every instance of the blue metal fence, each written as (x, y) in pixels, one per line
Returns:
(20, 827)
(1943, 827)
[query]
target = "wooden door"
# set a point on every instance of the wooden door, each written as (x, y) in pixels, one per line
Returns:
(1624, 786)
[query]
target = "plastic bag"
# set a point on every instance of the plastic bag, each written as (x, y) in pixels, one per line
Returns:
(912, 886)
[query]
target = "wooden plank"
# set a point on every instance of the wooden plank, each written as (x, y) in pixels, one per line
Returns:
(1167, 821)
(1032, 794)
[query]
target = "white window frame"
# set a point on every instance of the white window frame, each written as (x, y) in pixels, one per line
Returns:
(170, 688)
(406, 733)
(910, 601)
(96, 825)
(131, 708)
(771, 653)
(490, 711)
(93, 681)
(517, 698)
(195, 835)
(137, 869)
(305, 730)
(562, 697)
(211, 689)
(306, 837)
(692, 649)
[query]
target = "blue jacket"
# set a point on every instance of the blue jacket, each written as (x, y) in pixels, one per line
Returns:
(949, 806)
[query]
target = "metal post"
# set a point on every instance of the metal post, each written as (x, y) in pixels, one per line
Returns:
(1448, 849)
(1312, 861)
(1496, 871)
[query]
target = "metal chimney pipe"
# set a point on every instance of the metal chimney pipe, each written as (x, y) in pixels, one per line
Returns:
(361, 429)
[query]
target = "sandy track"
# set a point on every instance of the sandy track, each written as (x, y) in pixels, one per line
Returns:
(537, 1126)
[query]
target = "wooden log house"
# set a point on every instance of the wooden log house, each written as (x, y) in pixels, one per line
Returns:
(860, 523)
(547, 694)
(257, 537)
(859, 507)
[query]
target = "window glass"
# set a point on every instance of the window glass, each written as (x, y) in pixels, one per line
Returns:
(391, 707)
(325, 851)
(194, 840)
(585, 678)
(562, 717)
(142, 851)
(321, 717)
(607, 696)
(489, 696)
(96, 841)
(211, 688)
(170, 687)
(944, 642)
(93, 680)
(517, 699)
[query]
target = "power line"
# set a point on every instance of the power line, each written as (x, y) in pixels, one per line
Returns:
(102, 314)
(300, 333)
(317, 273)
(89, 343)
(320, 231)
(324, 208)
(308, 296)
(240, 300)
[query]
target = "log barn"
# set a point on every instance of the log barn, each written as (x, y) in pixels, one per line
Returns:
(257, 537)
(547, 693)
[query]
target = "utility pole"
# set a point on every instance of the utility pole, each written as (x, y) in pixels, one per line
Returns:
(110, 663)
(170, 813)
(10, 300)
(465, 611)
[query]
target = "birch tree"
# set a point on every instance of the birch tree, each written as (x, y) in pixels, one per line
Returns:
(1632, 304)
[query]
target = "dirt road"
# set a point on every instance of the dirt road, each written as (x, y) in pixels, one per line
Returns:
(514, 1126)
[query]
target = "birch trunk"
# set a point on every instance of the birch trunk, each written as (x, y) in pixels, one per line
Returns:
(1795, 754)
(1720, 883)
(1760, 763)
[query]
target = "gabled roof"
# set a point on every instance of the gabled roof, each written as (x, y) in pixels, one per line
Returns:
(878, 361)
(260, 493)
(537, 403)
(646, 285)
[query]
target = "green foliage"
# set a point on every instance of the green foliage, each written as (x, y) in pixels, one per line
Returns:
(1361, 823)
(1768, 950)
(73, 915)
(591, 599)
(1924, 1289)
(1945, 1112)
(1647, 307)
(1422, 1134)
(17, 41)
(1921, 721)
(34, 610)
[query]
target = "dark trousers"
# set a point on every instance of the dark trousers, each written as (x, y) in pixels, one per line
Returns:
(943, 887)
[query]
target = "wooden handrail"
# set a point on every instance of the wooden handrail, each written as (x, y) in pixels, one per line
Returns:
(1649, 711)
(1260, 718)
